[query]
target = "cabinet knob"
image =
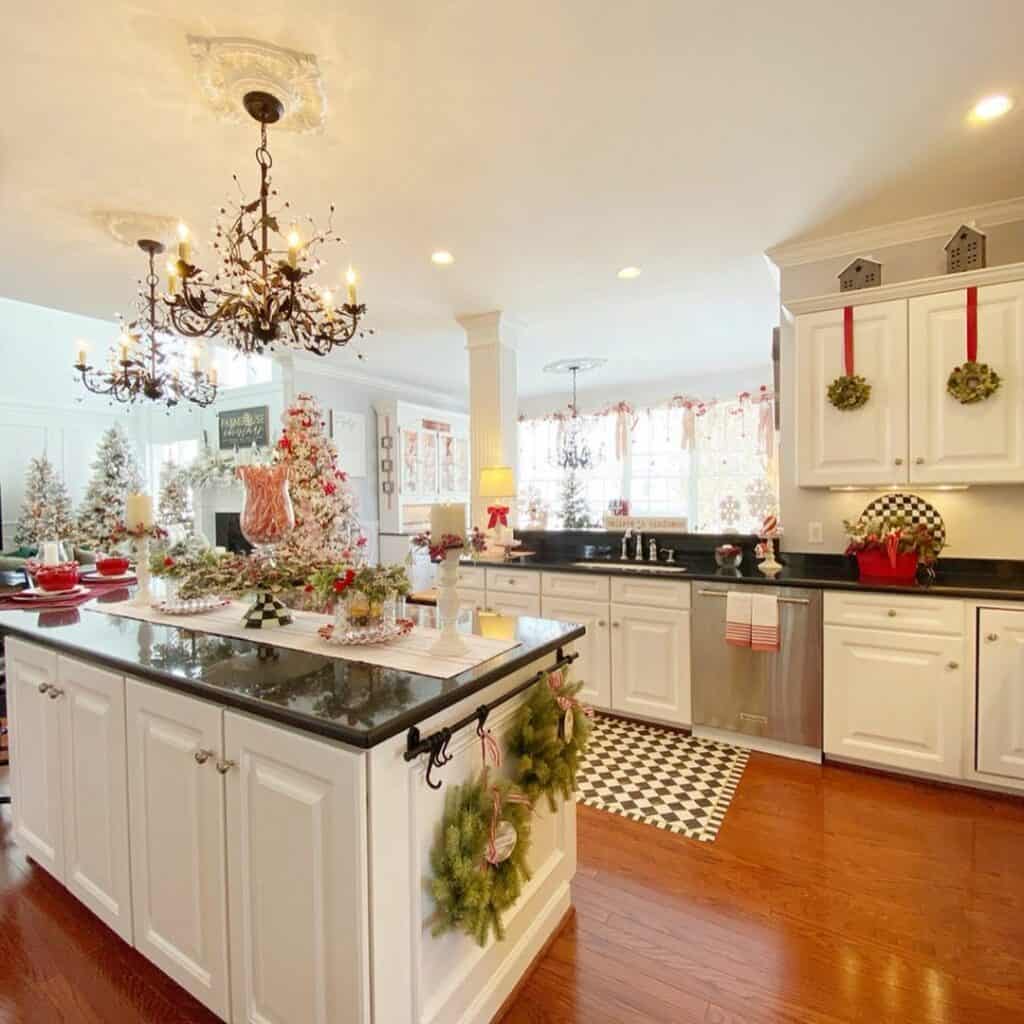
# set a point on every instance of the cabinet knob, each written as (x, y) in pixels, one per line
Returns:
(992, 637)
(891, 613)
(919, 461)
(224, 765)
(953, 664)
(202, 755)
(898, 462)
(43, 687)
(55, 692)
(602, 623)
(616, 624)
(511, 583)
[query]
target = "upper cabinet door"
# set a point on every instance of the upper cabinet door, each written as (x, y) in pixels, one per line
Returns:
(951, 442)
(861, 446)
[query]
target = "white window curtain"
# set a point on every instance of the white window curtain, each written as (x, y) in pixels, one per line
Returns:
(714, 464)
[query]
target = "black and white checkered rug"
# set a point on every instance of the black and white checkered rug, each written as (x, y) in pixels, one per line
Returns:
(663, 778)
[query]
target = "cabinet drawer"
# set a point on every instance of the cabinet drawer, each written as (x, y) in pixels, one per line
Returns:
(513, 604)
(893, 611)
(516, 581)
(658, 593)
(471, 576)
(575, 585)
(471, 597)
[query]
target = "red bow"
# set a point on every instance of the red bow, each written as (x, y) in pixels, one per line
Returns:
(555, 681)
(498, 514)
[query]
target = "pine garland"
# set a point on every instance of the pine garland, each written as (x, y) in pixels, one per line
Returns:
(470, 894)
(544, 764)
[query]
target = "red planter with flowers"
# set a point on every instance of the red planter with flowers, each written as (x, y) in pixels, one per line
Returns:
(875, 564)
(889, 549)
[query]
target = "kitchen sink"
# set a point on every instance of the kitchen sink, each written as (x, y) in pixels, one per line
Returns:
(628, 566)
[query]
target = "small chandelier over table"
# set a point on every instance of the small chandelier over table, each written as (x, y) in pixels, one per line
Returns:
(137, 369)
(573, 449)
(261, 293)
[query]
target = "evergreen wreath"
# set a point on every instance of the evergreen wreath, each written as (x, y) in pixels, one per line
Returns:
(849, 392)
(470, 893)
(973, 382)
(543, 761)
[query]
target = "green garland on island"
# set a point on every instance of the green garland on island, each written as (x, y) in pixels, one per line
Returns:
(849, 392)
(470, 894)
(973, 382)
(543, 762)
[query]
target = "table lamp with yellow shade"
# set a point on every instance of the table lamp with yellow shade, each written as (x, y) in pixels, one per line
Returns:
(498, 484)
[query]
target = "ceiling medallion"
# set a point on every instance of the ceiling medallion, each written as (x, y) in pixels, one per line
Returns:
(573, 449)
(138, 368)
(259, 295)
(228, 67)
(128, 226)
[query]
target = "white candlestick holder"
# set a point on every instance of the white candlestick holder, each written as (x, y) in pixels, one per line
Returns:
(143, 593)
(768, 565)
(450, 642)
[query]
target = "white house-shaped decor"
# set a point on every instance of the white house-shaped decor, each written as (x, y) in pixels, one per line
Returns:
(965, 250)
(861, 273)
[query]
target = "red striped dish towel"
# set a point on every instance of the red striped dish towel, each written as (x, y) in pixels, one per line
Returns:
(764, 622)
(737, 618)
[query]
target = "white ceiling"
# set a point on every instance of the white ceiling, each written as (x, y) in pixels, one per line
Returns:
(545, 144)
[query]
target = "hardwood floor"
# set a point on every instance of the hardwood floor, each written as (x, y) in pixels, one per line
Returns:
(830, 896)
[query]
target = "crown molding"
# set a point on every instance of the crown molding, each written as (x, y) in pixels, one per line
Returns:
(907, 289)
(917, 229)
(413, 392)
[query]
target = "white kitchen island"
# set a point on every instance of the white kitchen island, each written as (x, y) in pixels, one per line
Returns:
(244, 815)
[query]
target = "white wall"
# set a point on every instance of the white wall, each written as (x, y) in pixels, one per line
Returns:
(979, 520)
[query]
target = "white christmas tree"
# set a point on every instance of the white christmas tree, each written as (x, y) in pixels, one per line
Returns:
(115, 475)
(174, 507)
(574, 508)
(46, 511)
(326, 523)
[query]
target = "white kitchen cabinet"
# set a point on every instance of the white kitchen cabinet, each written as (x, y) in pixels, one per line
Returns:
(1001, 693)
(895, 699)
(296, 814)
(35, 755)
(866, 445)
(178, 859)
(978, 443)
(472, 599)
(512, 604)
(593, 666)
(94, 791)
(651, 662)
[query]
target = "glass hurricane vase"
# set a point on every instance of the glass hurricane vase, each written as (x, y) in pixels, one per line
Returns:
(267, 513)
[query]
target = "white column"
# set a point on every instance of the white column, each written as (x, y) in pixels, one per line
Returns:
(491, 340)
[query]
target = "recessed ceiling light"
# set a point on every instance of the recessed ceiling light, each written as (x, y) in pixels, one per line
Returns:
(442, 257)
(991, 107)
(628, 273)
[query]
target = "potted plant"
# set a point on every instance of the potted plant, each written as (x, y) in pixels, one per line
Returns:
(890, 548)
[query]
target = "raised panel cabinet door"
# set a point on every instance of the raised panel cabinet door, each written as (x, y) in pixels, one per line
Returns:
(299, 900)
(35, 755)
(1001, 693)
(651, 663)
(95, 791)
(179, 864)
(982, 442)
(593, 666)
(895, 699)
(860, 446)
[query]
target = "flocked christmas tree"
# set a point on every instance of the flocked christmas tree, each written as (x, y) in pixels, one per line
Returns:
(174, 507)
(574, 508)
(46, 511)
(326, 524)
(115, 475)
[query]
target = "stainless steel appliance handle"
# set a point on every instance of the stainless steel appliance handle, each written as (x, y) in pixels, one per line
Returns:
(782, 600)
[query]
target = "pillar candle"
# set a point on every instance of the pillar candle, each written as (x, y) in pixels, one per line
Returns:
(51, 552)
(447, 519)
(138, 509)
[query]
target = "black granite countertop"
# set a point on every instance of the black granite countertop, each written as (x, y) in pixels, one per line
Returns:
(359, 704)
(975, 578)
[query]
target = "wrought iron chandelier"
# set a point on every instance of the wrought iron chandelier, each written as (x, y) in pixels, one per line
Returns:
(138, 369)
(260, 295)
(572, 450)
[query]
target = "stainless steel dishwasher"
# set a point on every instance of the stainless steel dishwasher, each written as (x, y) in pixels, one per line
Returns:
(770, 695)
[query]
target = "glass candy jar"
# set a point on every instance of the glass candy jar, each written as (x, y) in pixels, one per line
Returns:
(267, 513)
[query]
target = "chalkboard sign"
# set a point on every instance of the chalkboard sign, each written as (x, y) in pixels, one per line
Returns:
(243, 428)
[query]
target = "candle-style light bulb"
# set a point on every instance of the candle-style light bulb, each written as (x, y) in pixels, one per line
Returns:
(294, 241)
(172, 277)
(211, 375)
(81, 352)
(184, 245)
(350, 280)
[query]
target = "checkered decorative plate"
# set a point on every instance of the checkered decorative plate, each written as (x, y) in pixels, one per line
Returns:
(660, 777)
(912, 508)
